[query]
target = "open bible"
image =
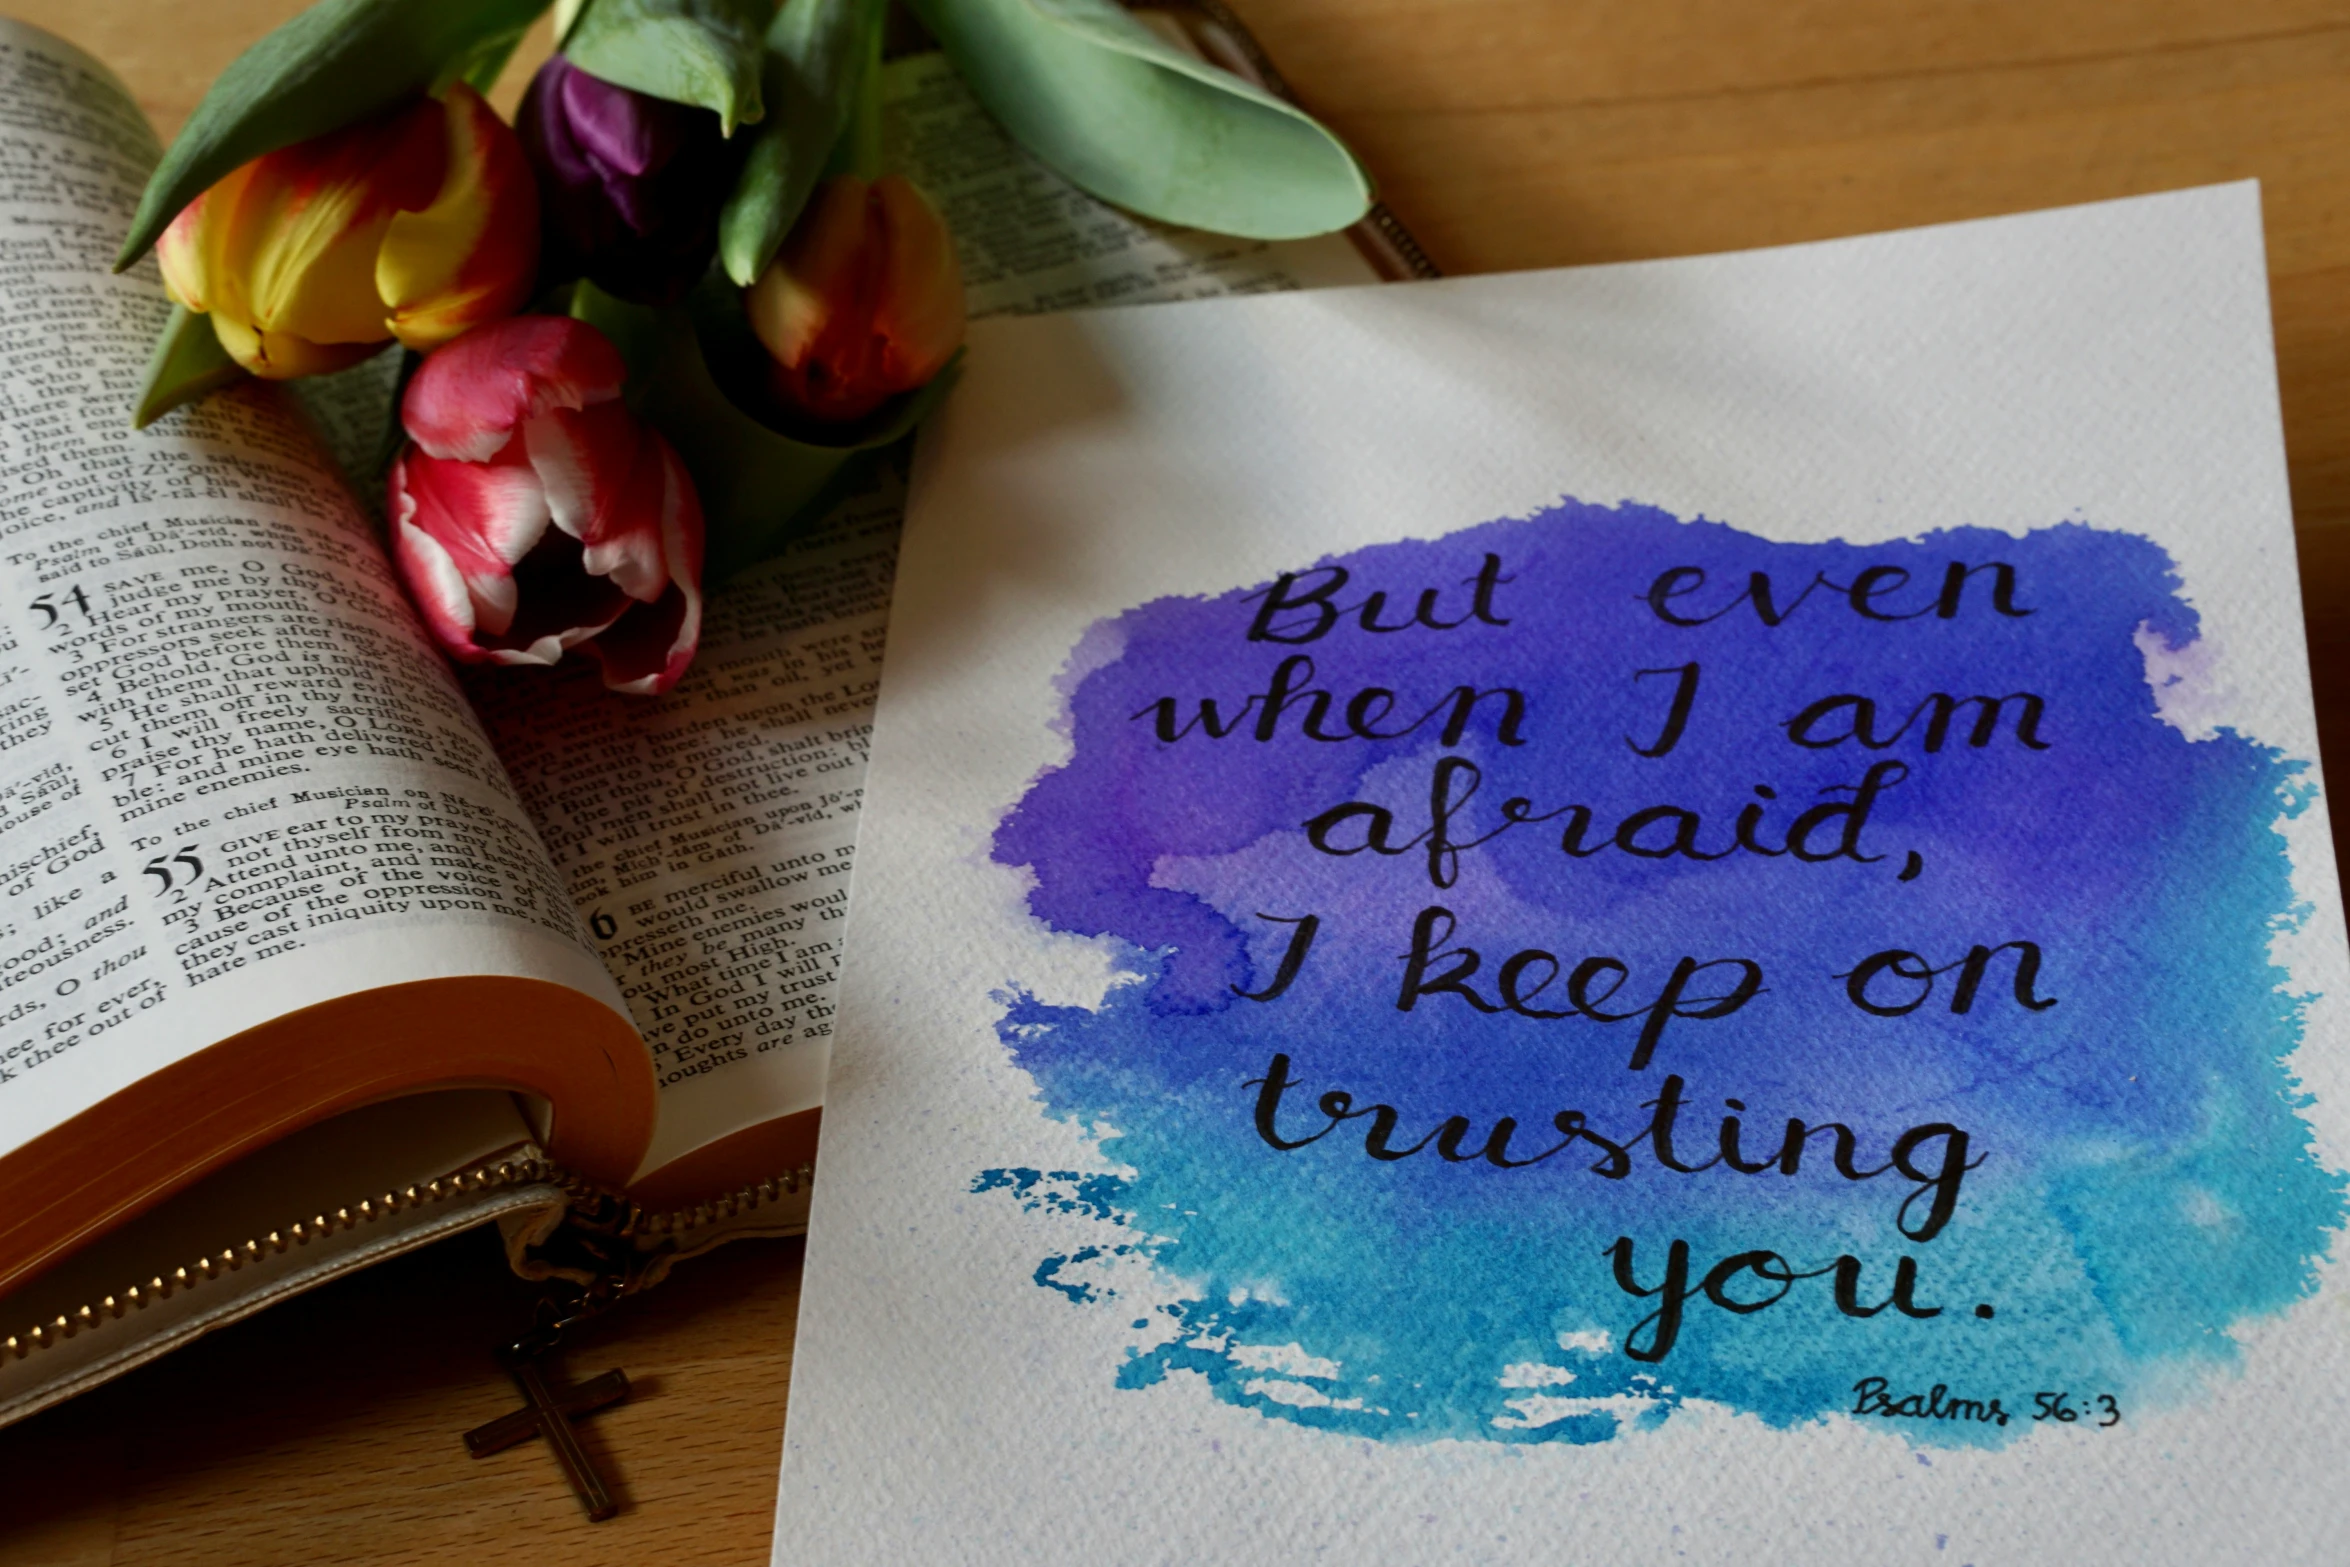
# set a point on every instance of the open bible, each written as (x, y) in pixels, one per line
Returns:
(311, 952)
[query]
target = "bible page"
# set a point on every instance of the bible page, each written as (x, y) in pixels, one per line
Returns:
(235, 778)
(707, 835)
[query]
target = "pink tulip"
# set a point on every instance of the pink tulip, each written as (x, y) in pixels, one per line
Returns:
(533, 513)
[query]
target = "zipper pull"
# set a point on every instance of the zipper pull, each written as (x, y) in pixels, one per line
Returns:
(548, 1409)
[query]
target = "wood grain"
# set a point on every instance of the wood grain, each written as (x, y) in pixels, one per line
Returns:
(1508, 133)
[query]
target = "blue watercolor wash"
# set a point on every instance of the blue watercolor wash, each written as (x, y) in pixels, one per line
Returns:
(2142, 1179)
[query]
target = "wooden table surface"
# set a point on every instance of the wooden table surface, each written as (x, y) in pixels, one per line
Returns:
(1507, 133)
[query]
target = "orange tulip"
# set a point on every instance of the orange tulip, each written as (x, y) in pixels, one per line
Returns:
(864, 301)
(417, 225)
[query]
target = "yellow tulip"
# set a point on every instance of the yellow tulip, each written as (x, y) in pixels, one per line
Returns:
(418, 224)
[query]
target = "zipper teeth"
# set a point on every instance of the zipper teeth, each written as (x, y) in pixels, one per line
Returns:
(743, 1199)
(526, 1170)
(163, 1286)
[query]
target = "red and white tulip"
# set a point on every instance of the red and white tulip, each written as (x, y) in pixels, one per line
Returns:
(533, 513)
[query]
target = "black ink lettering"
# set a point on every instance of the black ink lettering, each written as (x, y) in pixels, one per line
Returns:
(1768, 1266)
(1679, 582)
(1162, 712)
(1903, 1299)
(1496, 1149)
(1275, 1083)
(1750, 818)
(1360, 717)
(1873, 583)
(1444, 856)
(1571, 836)
(1902, 965)
(1676, 716)
(1663, 1325)
(1669, 1002)
(1291, 614)
(1758, 588)
(1615, 1161)
(1293, 957)
(1383, 1119)
(1281, 598)
(1380, 825)
(1854, 815)
(2027, 972)
(1861, 725)
(1369, 618)
(1864, 591)
(2002, 589)
(1684, 843)
(1464, 700)
(1428, 941)
(1945, 708)
(1940, 1186)
(1848, 1294)
(1732, 1155)
(1798, 1136)
(1286, 689)
(1667, 1108)
(1483, 586)
(1523, 1003)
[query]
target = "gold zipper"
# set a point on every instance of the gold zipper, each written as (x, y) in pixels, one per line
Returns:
(614, 1216)
(743, 1199)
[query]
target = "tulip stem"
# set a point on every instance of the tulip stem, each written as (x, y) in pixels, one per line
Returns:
(859, 152)
(480, 67)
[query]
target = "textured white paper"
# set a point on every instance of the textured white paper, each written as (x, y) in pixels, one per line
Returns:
(957, 1390)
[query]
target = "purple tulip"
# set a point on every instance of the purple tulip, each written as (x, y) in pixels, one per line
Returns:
(630, 184)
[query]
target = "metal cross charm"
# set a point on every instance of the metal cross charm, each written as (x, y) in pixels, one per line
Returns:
(549, 1414)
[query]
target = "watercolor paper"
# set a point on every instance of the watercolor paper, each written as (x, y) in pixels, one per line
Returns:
(1676, 911)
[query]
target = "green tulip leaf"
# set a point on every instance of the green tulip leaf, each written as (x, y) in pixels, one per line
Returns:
(187, 363)
(703, 52)
(817, 51)
(1138, 122)
(335, 64)
(758, 486)
(481, 67)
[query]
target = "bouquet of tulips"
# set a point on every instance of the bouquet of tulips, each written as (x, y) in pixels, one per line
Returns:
(648, 324)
